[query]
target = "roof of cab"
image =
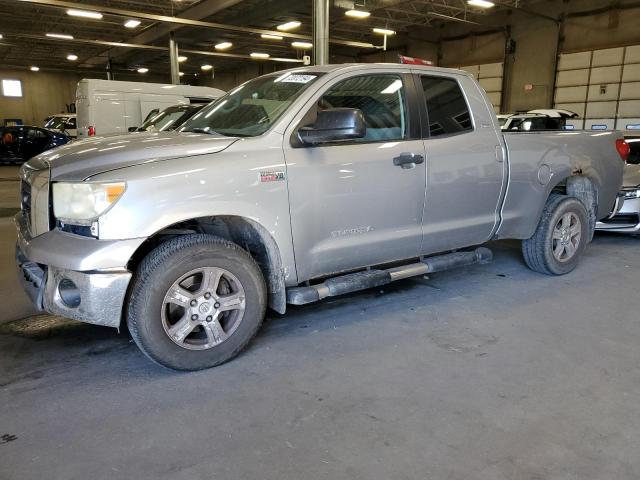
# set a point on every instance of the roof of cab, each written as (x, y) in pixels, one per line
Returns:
(362, 66)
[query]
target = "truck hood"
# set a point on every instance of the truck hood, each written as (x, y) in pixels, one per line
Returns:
(631, 175)
(84, 158)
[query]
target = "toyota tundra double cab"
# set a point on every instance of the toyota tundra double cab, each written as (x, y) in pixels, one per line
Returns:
(293, 187)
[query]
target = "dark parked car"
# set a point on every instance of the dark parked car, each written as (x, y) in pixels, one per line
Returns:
(18, 144)
(168, 119)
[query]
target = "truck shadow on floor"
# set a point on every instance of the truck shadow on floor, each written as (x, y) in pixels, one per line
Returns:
(46, 341)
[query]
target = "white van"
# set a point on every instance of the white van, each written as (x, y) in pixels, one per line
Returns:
(106, 107)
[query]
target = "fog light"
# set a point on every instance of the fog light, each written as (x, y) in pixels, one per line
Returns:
(69, 293)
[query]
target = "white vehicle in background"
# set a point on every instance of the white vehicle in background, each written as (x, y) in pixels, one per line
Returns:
(539, 119)
(63, 122)
(109, 107)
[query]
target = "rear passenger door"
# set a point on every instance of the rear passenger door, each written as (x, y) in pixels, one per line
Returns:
(351, 204)
(466, 171)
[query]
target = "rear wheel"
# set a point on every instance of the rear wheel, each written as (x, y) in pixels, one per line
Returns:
(561, 236)
(196, 302)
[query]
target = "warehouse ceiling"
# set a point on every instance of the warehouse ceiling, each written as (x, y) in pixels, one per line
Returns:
(199, 25)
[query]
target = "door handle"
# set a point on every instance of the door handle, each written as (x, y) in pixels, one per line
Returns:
(408, 160)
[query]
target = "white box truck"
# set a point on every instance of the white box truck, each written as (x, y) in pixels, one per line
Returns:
(108, 107)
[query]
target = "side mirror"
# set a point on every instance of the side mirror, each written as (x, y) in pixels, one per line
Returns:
(132, 129)
(334, 125)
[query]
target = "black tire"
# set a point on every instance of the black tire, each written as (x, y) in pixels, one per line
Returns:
(168, 263)
(538, 251)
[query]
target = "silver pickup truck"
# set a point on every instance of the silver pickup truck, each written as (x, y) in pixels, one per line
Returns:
(293, 187)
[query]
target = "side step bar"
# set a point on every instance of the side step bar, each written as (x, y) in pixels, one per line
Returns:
(353, 282)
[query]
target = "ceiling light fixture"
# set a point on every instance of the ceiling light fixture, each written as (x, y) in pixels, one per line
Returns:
(268, 36)
(132, 23)
(304, 45)
(34, 69)
(180, 74)
(182, 58)
(357, 13)
(1, 36)
(62, 36)
(72, 57)
(481, 3)
(206, 68)
(223, 45)
(285, 27)
(84, 14)
(384, 31)
(259, 55)
(143, 70)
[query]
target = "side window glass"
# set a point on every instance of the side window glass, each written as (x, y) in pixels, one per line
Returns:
(447, 109)
(381, 98)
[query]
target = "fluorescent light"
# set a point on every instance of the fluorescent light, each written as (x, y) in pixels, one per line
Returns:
(384, 31)
(60, 35)
(143, 70)
(84, 14)
(259, 55)
(288, 26)
(180, 74)
(182, 58)
(223, 45)
(72, 57)
(305, 45)
(206, 68)
(286, 60)
(357, 13)
(1, 36)
(132, 23)
(481, 3)
(268, 36)
(34, 68)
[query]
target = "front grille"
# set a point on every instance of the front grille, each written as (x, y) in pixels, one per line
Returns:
(25, 199)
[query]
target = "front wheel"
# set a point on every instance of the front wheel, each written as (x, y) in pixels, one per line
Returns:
(561, 237)
(196, 302)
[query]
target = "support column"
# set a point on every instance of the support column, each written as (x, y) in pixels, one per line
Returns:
(173, 60)
(320, 32)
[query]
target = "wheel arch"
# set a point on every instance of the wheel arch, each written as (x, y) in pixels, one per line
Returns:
(245, 232)
(585, 189)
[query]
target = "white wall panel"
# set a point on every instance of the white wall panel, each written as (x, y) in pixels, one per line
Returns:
(491, 70)
(628, 124)
(632, 55)
(495, 98)
(631, 73)
(604, 91)
(571, 94)
(607, 57)
(572, 77)
(601, 109)
(605, 74)
(630, 91)
(570, 61)
(629, 108)
(600, 124)
(491, 84)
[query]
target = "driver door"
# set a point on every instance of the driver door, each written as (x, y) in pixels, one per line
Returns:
(352, 205)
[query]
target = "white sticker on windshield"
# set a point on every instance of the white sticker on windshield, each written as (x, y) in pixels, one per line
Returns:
(297, 78)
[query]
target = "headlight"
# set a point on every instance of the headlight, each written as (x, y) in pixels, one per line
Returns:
(82, 203)
(630, 194)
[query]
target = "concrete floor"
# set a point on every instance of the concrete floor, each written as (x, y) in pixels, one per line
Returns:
(493, 373)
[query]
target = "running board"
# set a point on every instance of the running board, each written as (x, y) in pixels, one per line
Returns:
(353, 282)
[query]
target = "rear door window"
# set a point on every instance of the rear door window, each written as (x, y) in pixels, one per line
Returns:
(447, 108)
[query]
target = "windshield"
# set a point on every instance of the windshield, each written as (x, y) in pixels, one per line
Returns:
(58, 123)
(252, 108)
(168, 119)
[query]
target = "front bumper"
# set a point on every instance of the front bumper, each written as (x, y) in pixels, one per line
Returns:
(96, 269)
(626, 220)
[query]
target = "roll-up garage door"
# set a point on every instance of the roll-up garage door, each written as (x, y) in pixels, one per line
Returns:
(489, 75)
(602, 86)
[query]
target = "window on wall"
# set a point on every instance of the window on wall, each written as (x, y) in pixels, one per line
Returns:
(11, 88)
(446, 106)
